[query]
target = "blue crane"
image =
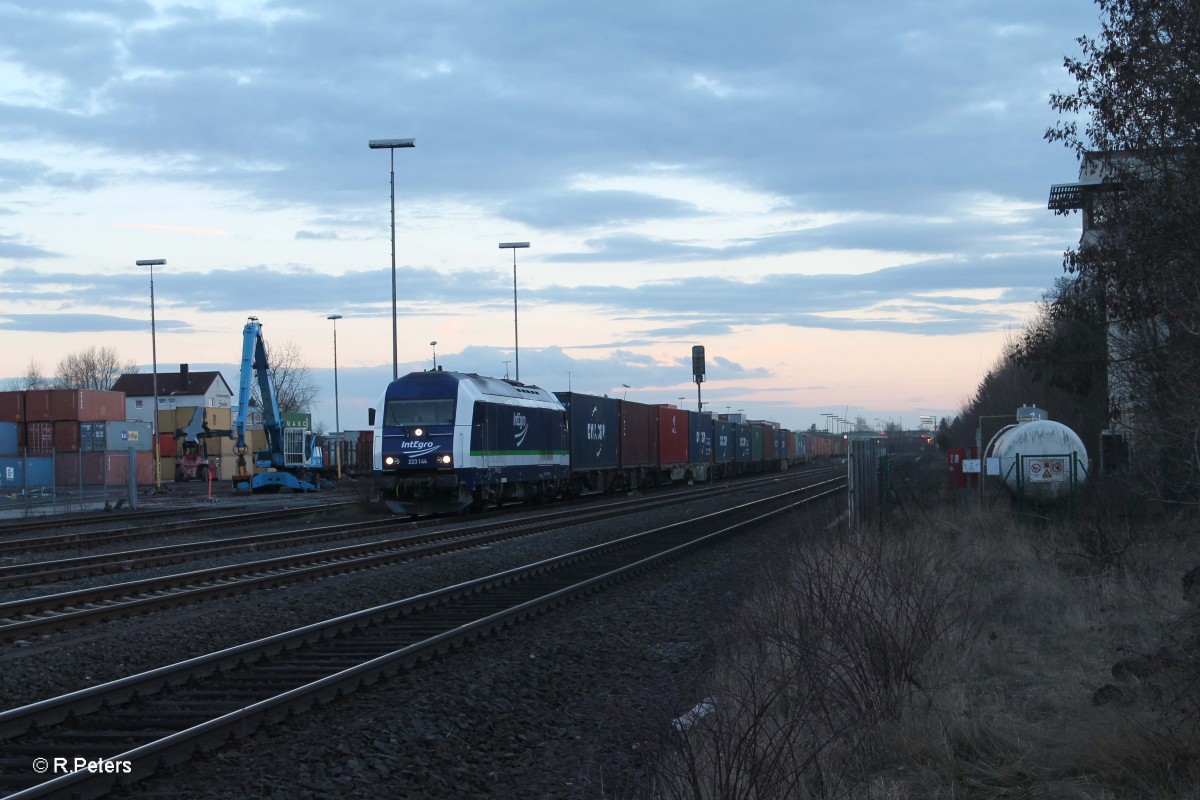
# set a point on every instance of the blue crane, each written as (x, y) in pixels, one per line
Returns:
(278, 473)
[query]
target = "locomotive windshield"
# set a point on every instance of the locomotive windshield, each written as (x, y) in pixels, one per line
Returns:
(423, 412)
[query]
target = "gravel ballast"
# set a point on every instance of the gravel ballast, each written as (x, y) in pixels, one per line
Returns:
(569, 706)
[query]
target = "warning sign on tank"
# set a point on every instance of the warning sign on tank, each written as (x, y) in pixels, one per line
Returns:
(1047, 469)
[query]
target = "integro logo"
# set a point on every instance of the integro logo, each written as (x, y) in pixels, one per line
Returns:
(415, 448)
(520, 427)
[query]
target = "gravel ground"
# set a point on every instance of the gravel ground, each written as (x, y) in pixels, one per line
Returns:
(46, 666)
(572, 707)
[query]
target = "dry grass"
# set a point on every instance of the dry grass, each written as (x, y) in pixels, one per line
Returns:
(958, 656)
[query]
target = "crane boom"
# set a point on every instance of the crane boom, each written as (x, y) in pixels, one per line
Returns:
(255, 366)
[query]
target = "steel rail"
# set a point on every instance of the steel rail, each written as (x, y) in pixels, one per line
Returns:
(9, 546)
(47, 613)
(401, 640)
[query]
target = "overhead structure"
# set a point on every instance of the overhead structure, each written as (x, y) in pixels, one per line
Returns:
(390, 145)
(514, 246)
(152, 263)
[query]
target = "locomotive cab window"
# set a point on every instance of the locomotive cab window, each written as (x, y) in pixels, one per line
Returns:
(419, 412)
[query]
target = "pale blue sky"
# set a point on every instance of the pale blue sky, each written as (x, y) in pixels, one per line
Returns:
(844, 204)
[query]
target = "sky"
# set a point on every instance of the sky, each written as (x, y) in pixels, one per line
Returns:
(845, 204)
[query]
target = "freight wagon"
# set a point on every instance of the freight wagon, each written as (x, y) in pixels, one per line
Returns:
(445, 441)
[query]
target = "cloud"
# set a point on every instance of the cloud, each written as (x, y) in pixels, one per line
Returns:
(83, 323)
(16, 251)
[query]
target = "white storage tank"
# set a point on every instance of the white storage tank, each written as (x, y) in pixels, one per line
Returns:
(1039, 457)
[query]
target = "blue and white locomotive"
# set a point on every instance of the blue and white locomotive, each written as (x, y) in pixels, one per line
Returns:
(448, 441)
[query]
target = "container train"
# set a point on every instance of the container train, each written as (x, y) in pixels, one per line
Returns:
(444, 442)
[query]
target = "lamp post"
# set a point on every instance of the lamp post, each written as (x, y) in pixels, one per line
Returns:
(433, 344)
(390, 145)
(152, 263)
(626, 385)
(337, 419)
(514, 246)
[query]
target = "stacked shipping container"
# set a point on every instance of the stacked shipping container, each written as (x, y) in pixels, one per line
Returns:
(68, 437)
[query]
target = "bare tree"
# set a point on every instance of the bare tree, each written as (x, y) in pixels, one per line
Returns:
(33, 378)
(92, 368)
(295, 389)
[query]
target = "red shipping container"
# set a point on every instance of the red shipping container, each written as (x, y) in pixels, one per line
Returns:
(68, 467)
(639, 435)
(672, 436)
(117, 468)
(66, 436)
(39, 437)
(362, 459)
(87, 405)
(37, 405)
(12, 406)
(167, 445)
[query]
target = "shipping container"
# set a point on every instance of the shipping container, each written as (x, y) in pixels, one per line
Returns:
(12, 407)
(39, 437)
(66, 436)
(355, 448)
(37, 405)
(219, 419)
(39, 471)
(86, 405)
(672, 436)
(75, 469)
(167, 445)
(639, 435)
(700, 438)
(364, 459)
(12, 473)
(724, 441)
(117, 468)
(123, 435)
(91, 437)
(10, 438)
(742, 446)
(755, 431)
(595, 430)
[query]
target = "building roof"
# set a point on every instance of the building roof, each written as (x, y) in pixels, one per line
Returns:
(171, 383)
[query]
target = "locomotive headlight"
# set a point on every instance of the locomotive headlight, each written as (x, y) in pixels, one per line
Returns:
(446, 459)
(390, 461)
(418, 431)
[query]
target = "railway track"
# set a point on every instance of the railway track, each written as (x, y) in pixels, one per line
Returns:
(128, 728)
(44, 614)
(140, 525)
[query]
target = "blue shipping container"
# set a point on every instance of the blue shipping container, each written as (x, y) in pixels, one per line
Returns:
(724, 441)
(39, 471)
(595, 425)
(12, 473)
(700, 438)
(8, 438)
(742, 441)
(120, 436)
